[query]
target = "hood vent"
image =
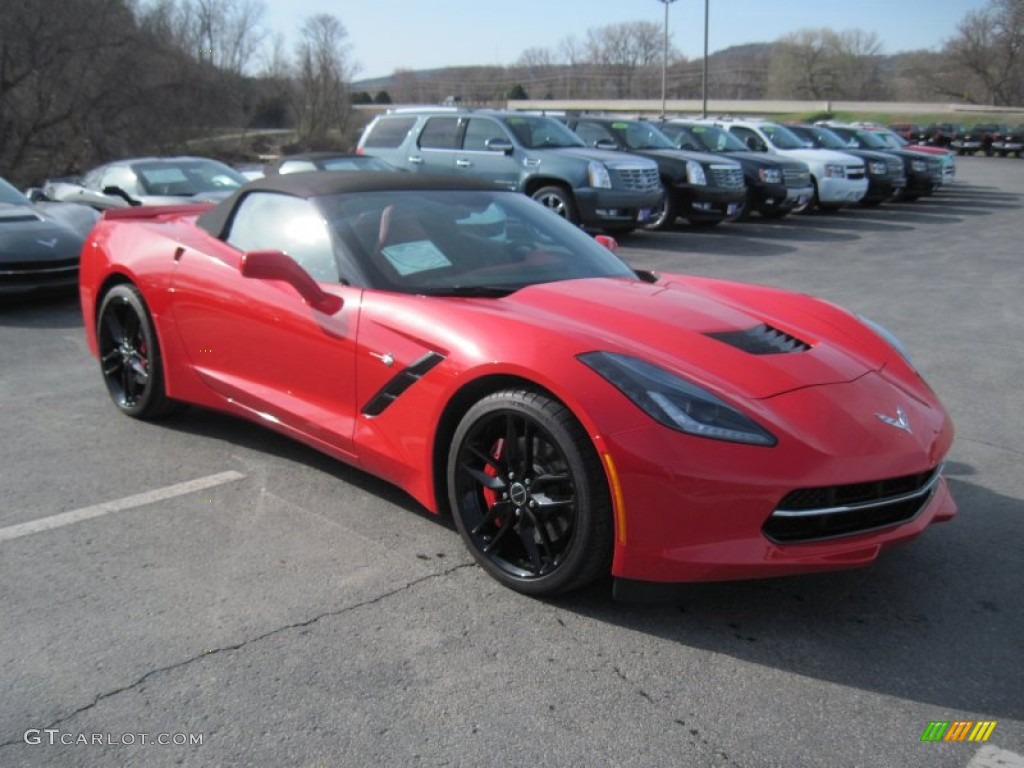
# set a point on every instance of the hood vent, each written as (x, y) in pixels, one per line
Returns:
(762, 340)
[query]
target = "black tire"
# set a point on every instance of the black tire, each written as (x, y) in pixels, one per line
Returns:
(812, 203)
(558, 201)
(748, 207)
(775, 213)
(663, 215)
(129, 352)
(536, 516)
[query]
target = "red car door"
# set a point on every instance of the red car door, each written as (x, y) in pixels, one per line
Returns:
(255, 341)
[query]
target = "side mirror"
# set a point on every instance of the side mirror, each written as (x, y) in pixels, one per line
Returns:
(36, 195)
(608, 242)
(753, 143)
(606, 144)
(118, 192)
(499, 145)
(277, 265)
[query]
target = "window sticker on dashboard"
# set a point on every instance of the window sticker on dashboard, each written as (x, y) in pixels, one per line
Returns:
(416, 256)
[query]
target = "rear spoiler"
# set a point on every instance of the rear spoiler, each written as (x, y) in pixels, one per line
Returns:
(157, 211)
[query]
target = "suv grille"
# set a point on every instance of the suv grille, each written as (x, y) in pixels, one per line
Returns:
(840, 510)
(640, 179)
(855, 172)
(796, 178)
(727, 176)
(895, 167)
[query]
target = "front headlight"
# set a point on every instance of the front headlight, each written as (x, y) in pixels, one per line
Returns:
(770, 175)
(920, 166)
(835, 171)
(675, 402)
(598, 175)
(887, 335)
(695, 173)
(877, 168)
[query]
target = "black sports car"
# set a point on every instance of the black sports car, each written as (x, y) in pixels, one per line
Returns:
(40, 243)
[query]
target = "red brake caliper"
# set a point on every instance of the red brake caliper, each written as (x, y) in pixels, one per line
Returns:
(490, 495)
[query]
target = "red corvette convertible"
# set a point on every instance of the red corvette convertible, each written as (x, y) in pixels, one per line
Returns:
(577, 417)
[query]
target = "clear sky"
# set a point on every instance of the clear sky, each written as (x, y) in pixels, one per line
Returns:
(423, 34)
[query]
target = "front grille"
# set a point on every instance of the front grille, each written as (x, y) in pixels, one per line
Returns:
(855, 172)
(727, 176)
(762, 340)
(638, 179)
(796, 178)
(807, 514)
(51, 267)
(895, 167)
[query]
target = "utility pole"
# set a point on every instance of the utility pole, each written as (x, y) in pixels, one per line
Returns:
(664, 58)
(704, 75)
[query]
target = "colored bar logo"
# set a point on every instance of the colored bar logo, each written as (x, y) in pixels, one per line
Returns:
(958, 730)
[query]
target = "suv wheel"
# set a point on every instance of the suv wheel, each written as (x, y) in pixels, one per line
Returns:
(557, 200)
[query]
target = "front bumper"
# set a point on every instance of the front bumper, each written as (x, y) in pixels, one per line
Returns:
(779, 197)
(24, 280)
(603, 207)
(708, 202)
(881, 188)
(842, 191)
(699, 511)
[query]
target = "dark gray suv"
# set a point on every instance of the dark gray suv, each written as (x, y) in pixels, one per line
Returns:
(533, 154)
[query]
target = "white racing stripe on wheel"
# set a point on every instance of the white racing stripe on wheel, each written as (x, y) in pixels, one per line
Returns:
(128, 502)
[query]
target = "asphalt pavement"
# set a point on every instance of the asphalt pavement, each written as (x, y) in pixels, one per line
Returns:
(214, 594)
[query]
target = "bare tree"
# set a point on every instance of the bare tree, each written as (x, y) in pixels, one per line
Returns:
(323, 72)
(823, 64)
(989, 45)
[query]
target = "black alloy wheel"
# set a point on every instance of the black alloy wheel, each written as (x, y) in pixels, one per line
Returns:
(129, 354)
(528, 493)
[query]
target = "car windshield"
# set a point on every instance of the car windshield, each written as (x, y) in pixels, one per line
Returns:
(461, 242)
(891, 139)
(639, 135)
(822, 138)
(10, 195)
(867, 139)
(782, 137)
(182, 178)
(714, 139)
(542, 132)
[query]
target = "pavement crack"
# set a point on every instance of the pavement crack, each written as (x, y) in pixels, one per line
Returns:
(257, 638)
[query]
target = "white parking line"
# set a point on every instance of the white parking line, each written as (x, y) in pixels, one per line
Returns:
(128, 502)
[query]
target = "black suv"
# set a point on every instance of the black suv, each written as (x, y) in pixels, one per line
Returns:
(775, 186)
(886, 177)
(532, 154)
(923, 174)
(941, 134)
(703, 188)
(982, 137)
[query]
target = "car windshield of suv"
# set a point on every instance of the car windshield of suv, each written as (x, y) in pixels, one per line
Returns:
(783, 138)
(820, 137)
(638, 135)
(714, 139)
(461, 242)
(891, 139)
(182, 178)
(542, 132)
(866, 139)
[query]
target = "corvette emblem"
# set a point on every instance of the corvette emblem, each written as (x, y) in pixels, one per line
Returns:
(900, 421)
(48, 243)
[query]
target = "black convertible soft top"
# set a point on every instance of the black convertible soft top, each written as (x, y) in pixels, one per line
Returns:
(319, 183)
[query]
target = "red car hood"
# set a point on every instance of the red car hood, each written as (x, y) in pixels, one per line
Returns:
(669, 323)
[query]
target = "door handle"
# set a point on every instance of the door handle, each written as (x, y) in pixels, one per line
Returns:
(464, 163)
(178, 253)
(416, 160)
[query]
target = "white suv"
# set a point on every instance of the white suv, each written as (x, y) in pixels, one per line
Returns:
(839, 179)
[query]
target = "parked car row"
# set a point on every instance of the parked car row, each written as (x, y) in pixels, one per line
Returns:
(989, 138)
(618, 174)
